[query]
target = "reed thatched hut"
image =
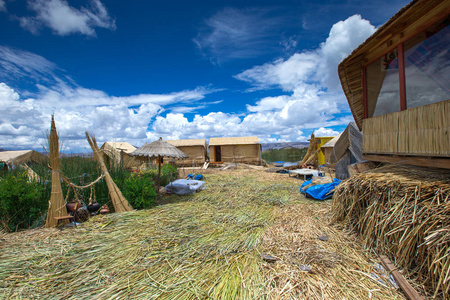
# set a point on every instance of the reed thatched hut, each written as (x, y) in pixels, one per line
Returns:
(235, 149)
(118, 153)
(22, 157)
(398, 87)
(195, 148)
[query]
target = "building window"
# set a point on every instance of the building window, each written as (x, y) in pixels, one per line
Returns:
(427, 66)
(383, 91)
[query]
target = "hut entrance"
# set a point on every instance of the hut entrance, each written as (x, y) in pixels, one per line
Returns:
(217, 153)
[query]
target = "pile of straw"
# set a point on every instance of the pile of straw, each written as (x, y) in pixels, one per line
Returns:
(203, 246)
(403, 212)
(335, 267)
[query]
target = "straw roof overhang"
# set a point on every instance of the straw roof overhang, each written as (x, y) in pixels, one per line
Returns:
(188, 142)
(21, 156)
(126, 147)
(349, 140)
(159, 148)
(248, 140)
(330, 143)
(411, 19)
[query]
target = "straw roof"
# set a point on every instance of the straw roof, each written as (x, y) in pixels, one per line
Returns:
(330, 143)
(248, 140)
(21, 156)
(410, 20)
(118, 146)
(349, 140)
(188, 142)
(159, 148)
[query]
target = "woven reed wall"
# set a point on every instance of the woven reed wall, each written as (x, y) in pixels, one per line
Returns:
(197, 155)
(423, 131)
(240, 153)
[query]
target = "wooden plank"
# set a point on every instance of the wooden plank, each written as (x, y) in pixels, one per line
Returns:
(401, 281)
(430, 162)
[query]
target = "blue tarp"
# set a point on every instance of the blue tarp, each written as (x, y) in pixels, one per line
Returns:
(320, 191)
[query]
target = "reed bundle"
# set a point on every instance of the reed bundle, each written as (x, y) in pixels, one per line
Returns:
(119, 201)
(403, 212)
(203, 246)
(310, 156)
(56, 204)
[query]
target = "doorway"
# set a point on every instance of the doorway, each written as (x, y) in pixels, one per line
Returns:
(217, 153)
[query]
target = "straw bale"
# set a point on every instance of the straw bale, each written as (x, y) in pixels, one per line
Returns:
(403, 212)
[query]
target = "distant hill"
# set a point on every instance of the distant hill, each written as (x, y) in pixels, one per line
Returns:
(275, 146)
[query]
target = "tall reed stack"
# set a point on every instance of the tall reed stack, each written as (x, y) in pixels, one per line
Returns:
(403, 212)
(120, 203)
(56, 204)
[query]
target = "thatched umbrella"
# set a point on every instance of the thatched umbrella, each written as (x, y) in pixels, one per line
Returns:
(158, 149)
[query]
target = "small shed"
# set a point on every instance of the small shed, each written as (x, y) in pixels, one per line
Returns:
(327, 148)
(320, 141)
(118, 153)
(347, 150)
(235, 149)
(195, 148)
(21, 157)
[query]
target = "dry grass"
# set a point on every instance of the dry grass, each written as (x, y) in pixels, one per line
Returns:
(403, 212)
(206, 246)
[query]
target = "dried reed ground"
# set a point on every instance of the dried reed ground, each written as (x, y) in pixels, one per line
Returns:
(206, 246)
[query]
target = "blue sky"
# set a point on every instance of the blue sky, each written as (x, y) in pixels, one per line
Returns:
(137, 70)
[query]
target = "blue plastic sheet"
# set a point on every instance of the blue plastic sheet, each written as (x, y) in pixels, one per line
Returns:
(320, 191)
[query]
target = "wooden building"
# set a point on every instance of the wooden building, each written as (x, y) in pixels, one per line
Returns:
(397, 84)
(235, 149)
(195, 148)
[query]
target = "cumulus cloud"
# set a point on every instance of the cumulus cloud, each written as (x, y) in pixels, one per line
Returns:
(234, 34)
(318, 66)
(2, 5)
(64, 19)
(307, 100)
(325, 132)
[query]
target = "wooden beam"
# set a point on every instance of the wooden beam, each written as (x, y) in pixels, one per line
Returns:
(364, 94)
(401, 75)
(431, 162)
(401, 281)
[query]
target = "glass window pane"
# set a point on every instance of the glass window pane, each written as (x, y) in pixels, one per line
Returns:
(383, 94)
(427, 67)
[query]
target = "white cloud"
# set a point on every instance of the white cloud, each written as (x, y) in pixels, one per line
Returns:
(64, 19)
(325, 132)
(234, 34)
(318, 66)
(308, 101)
(2, 5)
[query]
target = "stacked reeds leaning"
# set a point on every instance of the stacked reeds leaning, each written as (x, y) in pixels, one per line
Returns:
(119, 201)
(56, 204)
(403, 212)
